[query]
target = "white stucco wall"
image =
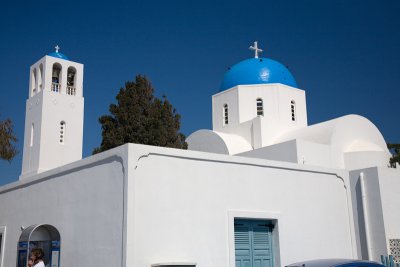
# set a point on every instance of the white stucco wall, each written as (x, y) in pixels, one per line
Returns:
(347, 137)
(389, 183)
(181, 206)
(137, 205)
(262, 130)
(314, 154)
(368, 214)
(286, 151)
(83, 200)
(32, 144)
(229, 97)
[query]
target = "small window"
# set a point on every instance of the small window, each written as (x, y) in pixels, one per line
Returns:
(62, 132)
(32, 133)
(293, 110)
(260, 107)
(226, 120)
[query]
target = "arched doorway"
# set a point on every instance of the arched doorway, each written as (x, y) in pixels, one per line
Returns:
(42, 236)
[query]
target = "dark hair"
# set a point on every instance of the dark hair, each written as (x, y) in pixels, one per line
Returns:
(38, 253)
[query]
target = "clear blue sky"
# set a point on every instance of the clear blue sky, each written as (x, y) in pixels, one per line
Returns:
(344, 54)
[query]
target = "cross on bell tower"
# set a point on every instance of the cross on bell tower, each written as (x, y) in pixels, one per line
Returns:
(256, 49)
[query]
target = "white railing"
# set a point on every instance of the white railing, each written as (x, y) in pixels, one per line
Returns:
(71, 90)
(55, 87)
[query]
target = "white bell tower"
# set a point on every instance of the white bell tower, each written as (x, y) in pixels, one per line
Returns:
(54, 114)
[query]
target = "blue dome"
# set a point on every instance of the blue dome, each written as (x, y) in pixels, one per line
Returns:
(257, 71)
(59, 55)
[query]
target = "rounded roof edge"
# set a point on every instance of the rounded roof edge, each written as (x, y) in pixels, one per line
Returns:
(217, 142)
(349, 133)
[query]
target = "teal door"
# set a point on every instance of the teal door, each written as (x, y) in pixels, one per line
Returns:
(253, 243)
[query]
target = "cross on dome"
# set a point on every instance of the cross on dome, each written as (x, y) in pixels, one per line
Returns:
(57, 48)
(256, 49)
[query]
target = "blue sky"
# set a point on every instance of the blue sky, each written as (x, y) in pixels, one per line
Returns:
(344, 54)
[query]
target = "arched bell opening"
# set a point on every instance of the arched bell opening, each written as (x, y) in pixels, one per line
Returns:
(40, 78)
(42, 236)
(33, 81)
(71, 81)
(56, 78)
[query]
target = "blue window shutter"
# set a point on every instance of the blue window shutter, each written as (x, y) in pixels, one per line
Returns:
(243, 257)
(253, 243)
(262, 249)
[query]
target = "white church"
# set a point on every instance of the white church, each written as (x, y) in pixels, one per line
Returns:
(261, 189)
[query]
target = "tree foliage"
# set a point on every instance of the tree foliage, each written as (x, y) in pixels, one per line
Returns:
(140, 117)
(395, 150)
(7, 140)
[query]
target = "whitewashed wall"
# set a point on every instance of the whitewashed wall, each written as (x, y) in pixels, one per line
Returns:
(181, 206)
(389, 183)
(152, 204)
(83, 200)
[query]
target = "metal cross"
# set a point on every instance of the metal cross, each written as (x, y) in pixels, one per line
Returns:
(256, 49)
(57, 48)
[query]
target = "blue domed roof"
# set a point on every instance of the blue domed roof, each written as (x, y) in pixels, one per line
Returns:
(59, 55)
(257, 71)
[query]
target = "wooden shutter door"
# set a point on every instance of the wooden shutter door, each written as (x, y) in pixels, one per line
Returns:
(253, 243)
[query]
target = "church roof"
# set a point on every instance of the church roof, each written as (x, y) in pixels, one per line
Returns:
(59, 55)
(257, 71)
(349, 133)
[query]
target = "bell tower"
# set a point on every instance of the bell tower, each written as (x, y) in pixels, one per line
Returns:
(54, 114)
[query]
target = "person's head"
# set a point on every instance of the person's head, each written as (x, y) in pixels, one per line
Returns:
(37, 254)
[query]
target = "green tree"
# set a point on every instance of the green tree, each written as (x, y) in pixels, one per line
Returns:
(140, 117)
(7, 140)
(395, 150)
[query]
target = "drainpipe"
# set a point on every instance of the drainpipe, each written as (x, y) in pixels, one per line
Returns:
(367, 225)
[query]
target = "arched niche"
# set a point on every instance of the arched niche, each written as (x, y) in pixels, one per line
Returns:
(40, 78)
(42, 236)
(33, 81)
